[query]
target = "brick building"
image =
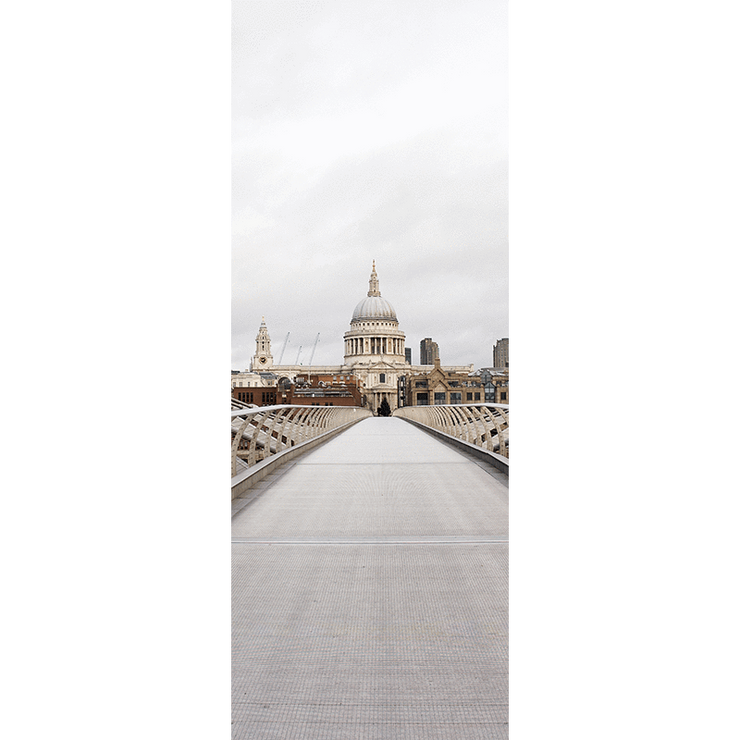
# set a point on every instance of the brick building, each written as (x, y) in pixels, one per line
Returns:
(335, 389)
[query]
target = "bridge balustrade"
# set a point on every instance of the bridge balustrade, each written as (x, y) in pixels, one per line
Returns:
(483, 424)
(257, 433)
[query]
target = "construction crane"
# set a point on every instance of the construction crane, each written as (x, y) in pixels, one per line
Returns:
(312, 354)
(280, 361)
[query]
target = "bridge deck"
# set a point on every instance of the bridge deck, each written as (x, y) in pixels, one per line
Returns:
(370, 585)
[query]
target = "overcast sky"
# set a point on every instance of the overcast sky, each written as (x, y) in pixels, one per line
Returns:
(369, 131)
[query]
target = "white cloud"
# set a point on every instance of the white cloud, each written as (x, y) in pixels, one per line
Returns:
(374, 131)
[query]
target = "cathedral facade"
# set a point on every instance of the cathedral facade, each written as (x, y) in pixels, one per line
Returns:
(374, 353)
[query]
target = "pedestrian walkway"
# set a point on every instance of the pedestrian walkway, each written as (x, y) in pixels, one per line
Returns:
(370, 593)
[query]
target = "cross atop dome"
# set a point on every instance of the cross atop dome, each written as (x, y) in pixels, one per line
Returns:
(374, 284)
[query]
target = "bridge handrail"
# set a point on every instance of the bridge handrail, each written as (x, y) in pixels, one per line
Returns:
(485, 425)
(257, 433)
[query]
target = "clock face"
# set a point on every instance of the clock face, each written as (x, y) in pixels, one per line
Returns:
(263, 360)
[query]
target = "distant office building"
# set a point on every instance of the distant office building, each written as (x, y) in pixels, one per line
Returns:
(501, 354)
(428, 351)
(248, 379)
(496, 384)
(408, 355)
(440, 386)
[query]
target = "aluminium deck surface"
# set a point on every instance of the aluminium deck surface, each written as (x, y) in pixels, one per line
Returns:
(370, 594)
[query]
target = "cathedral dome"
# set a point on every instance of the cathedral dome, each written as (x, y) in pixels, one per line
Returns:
(373, 308)
(374, 337)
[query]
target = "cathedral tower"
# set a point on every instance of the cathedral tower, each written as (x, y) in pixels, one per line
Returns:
(262, 359)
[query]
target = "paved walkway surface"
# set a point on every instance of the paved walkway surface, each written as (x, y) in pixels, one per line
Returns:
(370, 594)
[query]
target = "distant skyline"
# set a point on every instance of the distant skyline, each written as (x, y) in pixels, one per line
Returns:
(369, 132)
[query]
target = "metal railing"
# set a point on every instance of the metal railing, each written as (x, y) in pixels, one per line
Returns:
(257, 433)
(485, 425)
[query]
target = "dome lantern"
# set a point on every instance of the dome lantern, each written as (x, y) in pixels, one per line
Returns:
(374, 284)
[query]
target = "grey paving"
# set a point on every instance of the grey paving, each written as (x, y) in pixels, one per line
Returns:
(370, 594)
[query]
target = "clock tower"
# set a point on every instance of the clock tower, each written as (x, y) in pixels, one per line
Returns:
(262, 359)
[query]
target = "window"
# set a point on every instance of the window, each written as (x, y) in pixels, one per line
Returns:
(440, 398)
(382, 377)
(477, 396)
(469, 397)
(455, 397)
(422, 399)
